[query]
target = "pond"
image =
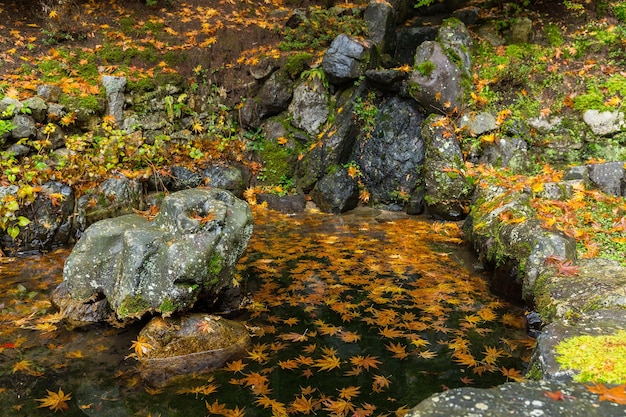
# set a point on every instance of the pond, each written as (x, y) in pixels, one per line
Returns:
(358, 315)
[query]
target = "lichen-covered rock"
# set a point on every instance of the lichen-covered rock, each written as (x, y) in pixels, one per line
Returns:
(114, 87)
(187, 345)
(435, 83)
(502, 229)
(604, 123)
(608, 176)
(507, 152)
(517, 400)
(336, 144)
(186, 253)
(439, 67)
(457, 42)
(448, 192)
(596, 283)
(309, 108)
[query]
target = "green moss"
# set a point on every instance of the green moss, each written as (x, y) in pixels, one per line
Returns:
(279, 162)
(425, 68)
(297, 63)
(215, 266)
(167, 306)
(554, 35)
(543, 298)
(596, 358)
(133, 306)
(534, 373)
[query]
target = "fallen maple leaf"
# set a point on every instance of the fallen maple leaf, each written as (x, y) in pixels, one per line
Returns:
(616, 394)
(56, 401)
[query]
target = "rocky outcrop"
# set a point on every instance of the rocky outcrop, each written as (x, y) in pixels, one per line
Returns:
(165, 265)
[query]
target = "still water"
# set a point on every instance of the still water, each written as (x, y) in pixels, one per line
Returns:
(356, 315)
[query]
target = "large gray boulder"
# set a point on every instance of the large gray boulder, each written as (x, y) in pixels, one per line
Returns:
(439, 68)
(186, 253)
(391, 158)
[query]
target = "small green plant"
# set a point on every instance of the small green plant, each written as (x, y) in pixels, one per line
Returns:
(6, 126)
(196, 153)
(619, 10)
(176, 109)
(8, 112)
(313, 74)
(256, 140)
(365, 112)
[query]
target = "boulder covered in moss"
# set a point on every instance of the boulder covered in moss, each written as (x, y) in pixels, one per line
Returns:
(195, 343)
(185, 254)
(588, 348)
(589, 285)
(448, 190)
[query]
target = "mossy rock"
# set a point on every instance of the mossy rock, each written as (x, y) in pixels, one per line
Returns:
(191, 344)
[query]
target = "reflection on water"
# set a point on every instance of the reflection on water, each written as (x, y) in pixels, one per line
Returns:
(357, 315)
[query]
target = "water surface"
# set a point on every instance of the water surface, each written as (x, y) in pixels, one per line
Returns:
(357, 315)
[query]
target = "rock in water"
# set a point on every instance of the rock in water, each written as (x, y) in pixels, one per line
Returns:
(191, 344)
(186, 253)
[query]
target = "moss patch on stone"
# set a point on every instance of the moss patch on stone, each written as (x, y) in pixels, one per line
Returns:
(133, 306)
(596, 358)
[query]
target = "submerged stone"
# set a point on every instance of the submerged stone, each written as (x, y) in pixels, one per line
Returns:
(190, 344)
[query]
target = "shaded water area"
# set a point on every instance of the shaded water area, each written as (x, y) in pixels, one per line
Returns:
(356, 315)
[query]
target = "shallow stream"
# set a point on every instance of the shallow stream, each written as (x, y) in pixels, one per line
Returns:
(358, 315)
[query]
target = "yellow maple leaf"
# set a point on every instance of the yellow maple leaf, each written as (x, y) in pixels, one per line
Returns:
(141, 346)
(328, 362)
(56, 401)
